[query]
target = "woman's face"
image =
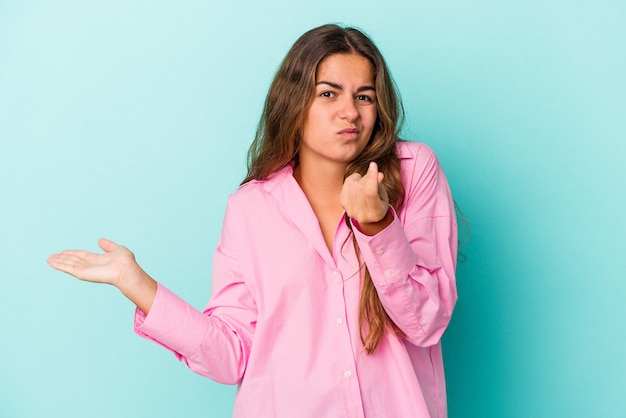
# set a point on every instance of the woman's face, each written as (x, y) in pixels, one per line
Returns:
(341, 118)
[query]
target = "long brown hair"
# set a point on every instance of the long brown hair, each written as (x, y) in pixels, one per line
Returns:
(279, 132)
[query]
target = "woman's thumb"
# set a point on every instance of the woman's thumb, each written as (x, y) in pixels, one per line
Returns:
(106, 245)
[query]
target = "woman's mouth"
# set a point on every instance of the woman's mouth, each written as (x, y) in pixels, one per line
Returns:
(349, 133)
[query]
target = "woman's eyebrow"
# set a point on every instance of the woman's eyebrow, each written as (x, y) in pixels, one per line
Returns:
(340, 87)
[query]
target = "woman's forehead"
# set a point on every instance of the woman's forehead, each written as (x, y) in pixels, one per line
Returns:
(347, 67)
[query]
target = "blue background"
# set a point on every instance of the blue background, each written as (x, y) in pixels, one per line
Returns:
(131, 120)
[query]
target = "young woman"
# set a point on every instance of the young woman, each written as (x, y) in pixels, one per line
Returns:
(334, 276)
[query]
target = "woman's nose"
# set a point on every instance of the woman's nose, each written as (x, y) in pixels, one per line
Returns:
(348, 109)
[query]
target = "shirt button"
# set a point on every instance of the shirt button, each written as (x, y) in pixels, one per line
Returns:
(347, 374)
(388, 272)
(339, 321)
(335, 272)
(380, 252)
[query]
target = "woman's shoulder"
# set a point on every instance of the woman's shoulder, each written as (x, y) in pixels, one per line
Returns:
(415, 155)
(255, 190)
(412, 149)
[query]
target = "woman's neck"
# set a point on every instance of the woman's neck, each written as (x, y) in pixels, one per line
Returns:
(320, 180)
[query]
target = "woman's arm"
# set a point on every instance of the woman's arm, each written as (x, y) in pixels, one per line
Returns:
(211, 345)
(412, 258)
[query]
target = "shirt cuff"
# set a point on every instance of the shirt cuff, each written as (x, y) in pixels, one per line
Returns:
(168, 323)
(387, 254)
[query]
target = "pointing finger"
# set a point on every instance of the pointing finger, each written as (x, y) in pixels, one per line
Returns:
(371, 180)
(372, 171)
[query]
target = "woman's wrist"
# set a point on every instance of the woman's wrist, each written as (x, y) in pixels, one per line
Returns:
(139, 288)
(373, 228)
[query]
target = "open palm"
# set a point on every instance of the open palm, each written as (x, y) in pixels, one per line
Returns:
(109, 267)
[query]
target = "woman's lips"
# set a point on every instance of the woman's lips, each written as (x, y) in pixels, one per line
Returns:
(349, 133)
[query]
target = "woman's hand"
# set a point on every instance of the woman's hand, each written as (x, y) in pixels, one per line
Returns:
(117, 267)
(365, 200)
(111, 267)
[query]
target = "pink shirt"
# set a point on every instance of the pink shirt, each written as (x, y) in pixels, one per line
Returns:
(282, 322)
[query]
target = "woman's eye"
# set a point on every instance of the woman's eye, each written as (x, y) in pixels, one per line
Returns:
(364, 98)
(327, 94)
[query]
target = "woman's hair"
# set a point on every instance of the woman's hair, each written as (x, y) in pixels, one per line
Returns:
(280, 131)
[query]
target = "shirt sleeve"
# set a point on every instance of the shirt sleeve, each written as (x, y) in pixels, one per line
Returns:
(412, 261)
(216, 342)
